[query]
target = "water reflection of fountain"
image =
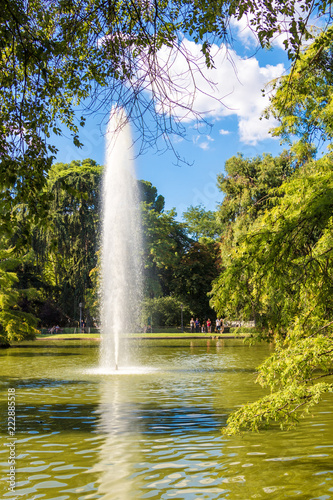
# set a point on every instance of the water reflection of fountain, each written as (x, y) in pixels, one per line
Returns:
(119, 453)
(121, 243)
(154, 431)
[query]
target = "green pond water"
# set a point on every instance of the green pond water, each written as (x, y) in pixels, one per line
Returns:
(153, 431)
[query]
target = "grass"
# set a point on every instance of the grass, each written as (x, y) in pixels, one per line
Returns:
(87, 336)
(92, 339)
(70, 336)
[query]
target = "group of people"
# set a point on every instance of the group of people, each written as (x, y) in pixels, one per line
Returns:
(206, 326)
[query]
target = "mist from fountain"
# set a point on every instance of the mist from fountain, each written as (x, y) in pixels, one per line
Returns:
(120, 245)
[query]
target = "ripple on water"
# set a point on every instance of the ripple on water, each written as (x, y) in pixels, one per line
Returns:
(128, 370)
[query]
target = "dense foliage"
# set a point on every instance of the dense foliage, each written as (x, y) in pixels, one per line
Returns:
(246, 185)
(303, 101)
(68, 246)
(165, 311)
(277, 254)
(284, 263)
(16, 323)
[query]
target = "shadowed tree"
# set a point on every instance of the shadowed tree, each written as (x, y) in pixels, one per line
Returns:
(193, 277)
(69, 244)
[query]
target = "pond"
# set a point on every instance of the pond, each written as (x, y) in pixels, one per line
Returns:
(153, 431)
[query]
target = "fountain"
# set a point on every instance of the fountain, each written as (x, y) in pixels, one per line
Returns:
(121, 245)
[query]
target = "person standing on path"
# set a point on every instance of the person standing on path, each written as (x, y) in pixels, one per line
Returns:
(192, 325)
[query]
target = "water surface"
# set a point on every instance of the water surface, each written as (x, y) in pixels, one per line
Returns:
(153, 430)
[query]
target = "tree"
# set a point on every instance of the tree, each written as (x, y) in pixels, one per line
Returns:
(15, 322)
(193, 276)
(67, 247)
(149, 196)
(247, 182)
(285, 257)
(175, 264)
(201, 223)
(165, 241)
(246, 187)
(164, 311)
(288, 251)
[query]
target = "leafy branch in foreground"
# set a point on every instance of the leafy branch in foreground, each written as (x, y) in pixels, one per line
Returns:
(285, 407)
(15, 323)
(282, 268)
(303, 101)
(292, 372)
(56, 56)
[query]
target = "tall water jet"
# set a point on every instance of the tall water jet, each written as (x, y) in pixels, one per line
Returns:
(121, 244)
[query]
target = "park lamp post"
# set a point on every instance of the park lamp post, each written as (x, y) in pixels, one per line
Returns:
(80, 306)
(181, 317)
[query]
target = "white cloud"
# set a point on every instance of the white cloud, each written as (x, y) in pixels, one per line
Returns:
(176, 139)
(253, 131)
(224, 132)
(202, 141)
(186, 88)
(243, 31)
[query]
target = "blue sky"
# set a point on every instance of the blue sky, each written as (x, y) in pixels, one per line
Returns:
(240, 73)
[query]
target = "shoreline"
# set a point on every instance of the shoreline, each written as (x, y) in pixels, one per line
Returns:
(180, 337)
(94, 341)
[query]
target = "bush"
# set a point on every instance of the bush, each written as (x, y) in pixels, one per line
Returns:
(164, 311)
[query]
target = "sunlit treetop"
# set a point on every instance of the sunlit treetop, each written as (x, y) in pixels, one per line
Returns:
(303, 102)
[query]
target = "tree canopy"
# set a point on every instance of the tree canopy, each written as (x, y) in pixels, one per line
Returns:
(47, 271)
(201, 223)
(71, 239)
(277, 263)
(16, 322)
(57, 55)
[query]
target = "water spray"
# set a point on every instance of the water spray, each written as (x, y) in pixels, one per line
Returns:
(120, 242)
